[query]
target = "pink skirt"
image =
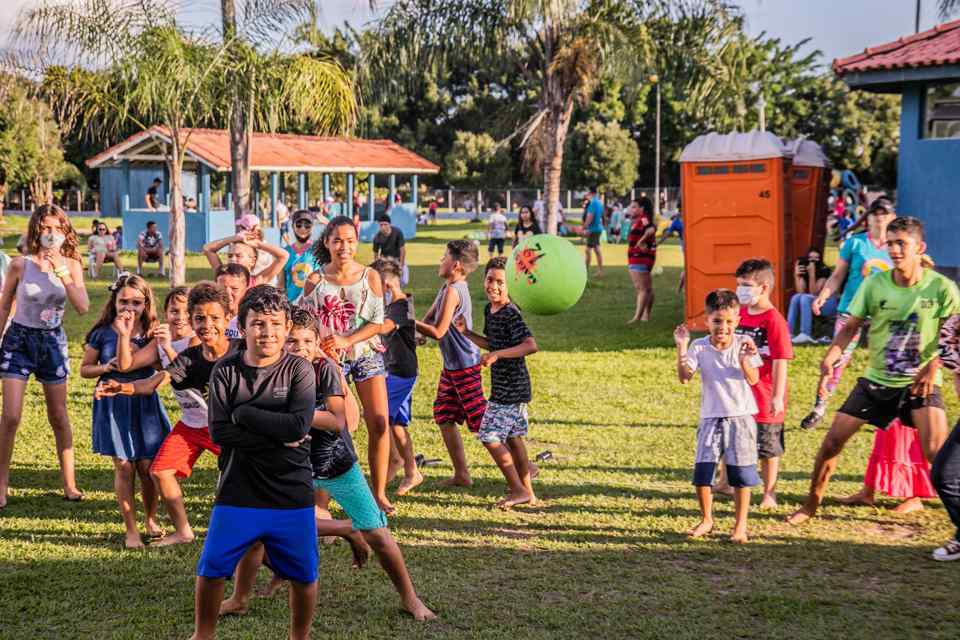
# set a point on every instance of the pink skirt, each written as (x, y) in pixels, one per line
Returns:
(897, 466)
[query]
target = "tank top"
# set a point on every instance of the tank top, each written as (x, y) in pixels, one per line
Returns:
(457, 350)
(345, 308)
(41, 298)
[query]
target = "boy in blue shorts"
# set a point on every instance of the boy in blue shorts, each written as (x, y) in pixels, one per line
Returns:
(729, 365)
(261, 403)
(399, 331)
(505, 424)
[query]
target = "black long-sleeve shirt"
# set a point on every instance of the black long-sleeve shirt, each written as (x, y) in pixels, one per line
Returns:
(253, 411)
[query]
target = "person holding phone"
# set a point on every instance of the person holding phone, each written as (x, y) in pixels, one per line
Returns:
(809, 277)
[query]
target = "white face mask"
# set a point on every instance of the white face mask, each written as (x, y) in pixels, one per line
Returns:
(52, 240)
(746, 294)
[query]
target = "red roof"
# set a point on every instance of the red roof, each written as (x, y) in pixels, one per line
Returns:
(278, 152)
(938, 46)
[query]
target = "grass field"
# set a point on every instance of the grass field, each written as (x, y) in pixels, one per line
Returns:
(603, 557)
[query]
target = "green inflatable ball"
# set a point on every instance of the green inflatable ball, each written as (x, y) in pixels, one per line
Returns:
(546, 275)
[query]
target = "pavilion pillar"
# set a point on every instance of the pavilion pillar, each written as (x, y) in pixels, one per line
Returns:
(124, 189)
(508, 200)
(326, 187)
(204, 188)
(415, 191)
(450, 200)
(392, 182)
(166, 183)
(274, 193)
(371, 204)
(349, 203)
(255, 192)
(302, 187)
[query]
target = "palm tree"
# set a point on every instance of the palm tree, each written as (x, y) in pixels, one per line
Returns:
(151, 72)
(572, 44)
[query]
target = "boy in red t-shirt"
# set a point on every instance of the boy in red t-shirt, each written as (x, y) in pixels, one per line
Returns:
(760, 320)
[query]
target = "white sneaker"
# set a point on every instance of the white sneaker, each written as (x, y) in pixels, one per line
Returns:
(949, 551)
(825, 340)
(802, 338)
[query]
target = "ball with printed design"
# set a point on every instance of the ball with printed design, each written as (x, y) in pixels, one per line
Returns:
(546, 275)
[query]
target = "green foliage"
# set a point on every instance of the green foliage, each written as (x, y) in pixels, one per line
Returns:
(475, 160)
(30, 149)
(601, 155)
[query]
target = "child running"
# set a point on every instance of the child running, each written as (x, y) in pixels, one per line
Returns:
(505, 423)
(337, 472)
(906, 307)
(728, 365)
(129, 430)
(768, 329)
(260, 409)
(460, 390)
(399, 332)
(189, 375)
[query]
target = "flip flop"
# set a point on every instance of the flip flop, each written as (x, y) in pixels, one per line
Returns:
(543, 456)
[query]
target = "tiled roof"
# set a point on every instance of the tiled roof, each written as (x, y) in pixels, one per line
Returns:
(938, 46)
(285, 152)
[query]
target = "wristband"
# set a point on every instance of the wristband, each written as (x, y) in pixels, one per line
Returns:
(62, 271)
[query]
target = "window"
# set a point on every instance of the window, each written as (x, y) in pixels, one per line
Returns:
(943, 111)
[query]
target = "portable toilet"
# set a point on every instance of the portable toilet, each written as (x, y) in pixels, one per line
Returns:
(736, 205)
(809, 188)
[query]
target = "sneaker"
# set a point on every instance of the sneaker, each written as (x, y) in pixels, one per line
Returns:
(811, 421)
(825, 340)
(802, 338)
(949, 551)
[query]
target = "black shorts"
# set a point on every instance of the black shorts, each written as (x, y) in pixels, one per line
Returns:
(496, 243)
(593, 239)
(879, 404)
(770, 443)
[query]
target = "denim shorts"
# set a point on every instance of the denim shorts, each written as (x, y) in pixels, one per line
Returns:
(365, 367)
(639, 268)
(42, 352)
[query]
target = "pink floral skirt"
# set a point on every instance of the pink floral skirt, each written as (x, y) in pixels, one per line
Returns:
(897, 466)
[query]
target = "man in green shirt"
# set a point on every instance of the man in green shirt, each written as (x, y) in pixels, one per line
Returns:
(906, 307)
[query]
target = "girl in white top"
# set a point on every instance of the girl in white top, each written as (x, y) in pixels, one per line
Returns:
(347, 299)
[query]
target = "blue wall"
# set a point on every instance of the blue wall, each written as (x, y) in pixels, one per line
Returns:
(111, 187)
(928, 180)
(201, 228)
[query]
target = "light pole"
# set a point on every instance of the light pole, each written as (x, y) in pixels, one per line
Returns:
(656, 167)
(762, 107)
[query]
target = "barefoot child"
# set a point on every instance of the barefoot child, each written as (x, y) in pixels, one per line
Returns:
(768, 329)
(399, 335)
(337, 472)
(260, 409)
(129, 430)
(460, 390)
(505, 424)
(189, 375)
(728, 366)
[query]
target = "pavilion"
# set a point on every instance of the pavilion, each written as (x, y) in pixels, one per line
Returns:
(925, 70)
(128, 168)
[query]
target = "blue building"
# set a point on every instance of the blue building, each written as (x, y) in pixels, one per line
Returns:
(925, 70)
(128, 168)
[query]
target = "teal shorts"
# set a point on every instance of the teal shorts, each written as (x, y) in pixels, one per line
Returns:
(352, 493)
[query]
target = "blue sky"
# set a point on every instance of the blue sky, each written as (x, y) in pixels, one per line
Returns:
(837, 27)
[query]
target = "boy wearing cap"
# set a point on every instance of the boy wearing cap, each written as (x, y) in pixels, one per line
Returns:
(301, 261)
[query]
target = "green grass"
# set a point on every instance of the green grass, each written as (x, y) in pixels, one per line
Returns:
(605, 555)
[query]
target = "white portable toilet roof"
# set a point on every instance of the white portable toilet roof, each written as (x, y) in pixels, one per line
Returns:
(716, 147)
(807, 153)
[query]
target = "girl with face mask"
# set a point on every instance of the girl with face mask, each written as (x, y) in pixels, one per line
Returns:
(36, 290)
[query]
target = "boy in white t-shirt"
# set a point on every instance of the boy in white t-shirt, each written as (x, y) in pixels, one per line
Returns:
(729, 365)
(497, 230)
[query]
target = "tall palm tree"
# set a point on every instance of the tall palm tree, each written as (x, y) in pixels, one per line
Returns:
(572, 45)
(149, 71)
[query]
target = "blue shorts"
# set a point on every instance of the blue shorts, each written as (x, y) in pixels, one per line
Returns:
(400, 399)
(639, 268)
(289, 537)
(364, 368)
(42, 352)
(352, 493)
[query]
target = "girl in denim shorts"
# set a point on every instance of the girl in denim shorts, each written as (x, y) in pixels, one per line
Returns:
(347, 299)
(40, 283)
